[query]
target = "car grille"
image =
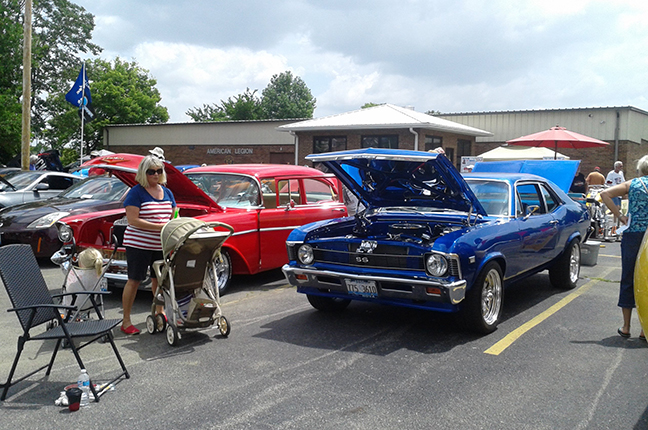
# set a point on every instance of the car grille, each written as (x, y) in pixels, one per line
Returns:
(382, 257)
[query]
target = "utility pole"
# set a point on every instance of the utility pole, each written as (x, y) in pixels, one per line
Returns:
(26, 93)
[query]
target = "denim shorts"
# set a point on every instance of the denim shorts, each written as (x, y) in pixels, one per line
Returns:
(630, 244)
(616, 201)
(139, 260)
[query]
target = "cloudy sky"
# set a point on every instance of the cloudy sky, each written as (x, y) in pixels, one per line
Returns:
(442, 55)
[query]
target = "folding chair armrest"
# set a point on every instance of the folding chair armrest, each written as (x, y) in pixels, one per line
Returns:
(76, 293)
(47, 305)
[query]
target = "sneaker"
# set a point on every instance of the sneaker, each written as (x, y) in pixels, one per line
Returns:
(130, 330)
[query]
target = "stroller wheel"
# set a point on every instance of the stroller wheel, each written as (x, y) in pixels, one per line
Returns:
(151, 328)
(224, 326)
(172, 335)
(160, 322)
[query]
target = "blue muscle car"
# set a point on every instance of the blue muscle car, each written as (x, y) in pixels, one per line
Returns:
(430, 238)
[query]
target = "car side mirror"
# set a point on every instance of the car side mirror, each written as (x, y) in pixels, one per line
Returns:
(42, 186)
(290, 205)
(530, 210)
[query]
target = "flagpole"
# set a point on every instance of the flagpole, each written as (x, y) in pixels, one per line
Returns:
(82, 112)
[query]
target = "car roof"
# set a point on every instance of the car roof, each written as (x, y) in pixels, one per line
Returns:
(258, 170)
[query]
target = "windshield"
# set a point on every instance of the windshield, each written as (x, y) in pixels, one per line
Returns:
(493, 195)
(20, 180)
(228, 190)
(98, 188)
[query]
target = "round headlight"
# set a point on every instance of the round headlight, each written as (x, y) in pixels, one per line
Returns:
(64, 233)
(437, 265)
(305, 254)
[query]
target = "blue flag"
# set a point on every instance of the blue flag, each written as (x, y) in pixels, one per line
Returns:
(79, 95)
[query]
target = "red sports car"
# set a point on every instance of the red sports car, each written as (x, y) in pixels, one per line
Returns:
(262, 202)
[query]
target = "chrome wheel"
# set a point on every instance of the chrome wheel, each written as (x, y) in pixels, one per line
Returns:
(223, 272)
(574, 264)
(491, 297)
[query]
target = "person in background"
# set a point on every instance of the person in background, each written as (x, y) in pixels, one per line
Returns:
(157, 152)
(578, 185)
(615, 177)
(149, 205)
(595, 177)
(637, 221)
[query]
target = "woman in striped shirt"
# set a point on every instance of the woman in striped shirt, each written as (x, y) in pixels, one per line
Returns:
(149, 205)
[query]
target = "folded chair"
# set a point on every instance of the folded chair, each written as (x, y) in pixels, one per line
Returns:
(34, 306)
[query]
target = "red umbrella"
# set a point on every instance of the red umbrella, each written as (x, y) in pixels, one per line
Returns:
(557, 137)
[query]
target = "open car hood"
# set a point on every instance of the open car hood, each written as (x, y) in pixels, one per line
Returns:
(124, 167)
(389, 178)
(560, 172)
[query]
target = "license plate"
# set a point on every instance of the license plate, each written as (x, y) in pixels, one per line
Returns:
(362, 288)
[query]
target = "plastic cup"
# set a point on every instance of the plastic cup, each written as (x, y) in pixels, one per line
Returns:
(74, 398)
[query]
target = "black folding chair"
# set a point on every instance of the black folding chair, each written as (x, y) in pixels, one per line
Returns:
(34, 306)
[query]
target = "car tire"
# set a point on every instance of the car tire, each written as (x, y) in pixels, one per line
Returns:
(565, 271)
(224, 272)
(483, 305)
(328, 304)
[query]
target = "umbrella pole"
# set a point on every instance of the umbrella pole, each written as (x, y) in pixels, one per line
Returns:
(556, 150)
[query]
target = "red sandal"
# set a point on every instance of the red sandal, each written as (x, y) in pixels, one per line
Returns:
(130, 330)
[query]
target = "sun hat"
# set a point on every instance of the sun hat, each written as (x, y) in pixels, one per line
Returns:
(158, 152)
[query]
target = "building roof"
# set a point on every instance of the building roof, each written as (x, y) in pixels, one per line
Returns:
(386, 116)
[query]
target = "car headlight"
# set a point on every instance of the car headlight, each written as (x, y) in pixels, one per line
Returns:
(64, 233)
(48, 220)
(436, 264)
(305, 254)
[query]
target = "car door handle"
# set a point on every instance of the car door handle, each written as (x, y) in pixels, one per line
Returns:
(338, 210)
(553, 222)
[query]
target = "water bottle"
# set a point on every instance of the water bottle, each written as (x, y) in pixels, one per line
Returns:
(83, 383)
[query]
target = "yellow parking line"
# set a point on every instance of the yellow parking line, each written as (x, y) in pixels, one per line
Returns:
(518, 332)
(611, 256)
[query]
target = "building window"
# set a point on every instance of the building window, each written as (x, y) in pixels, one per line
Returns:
(329, 144)
(388, 141)
(433, 142)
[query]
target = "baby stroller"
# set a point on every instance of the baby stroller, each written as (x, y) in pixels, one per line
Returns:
(187, 278)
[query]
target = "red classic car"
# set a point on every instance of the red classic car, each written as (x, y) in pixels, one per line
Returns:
(262, 202)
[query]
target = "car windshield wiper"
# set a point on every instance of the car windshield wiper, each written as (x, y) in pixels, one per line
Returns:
(8, 183)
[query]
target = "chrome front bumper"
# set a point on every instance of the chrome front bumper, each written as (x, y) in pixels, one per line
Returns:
(388, 287)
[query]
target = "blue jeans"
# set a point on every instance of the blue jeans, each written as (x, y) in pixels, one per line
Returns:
(630, 244)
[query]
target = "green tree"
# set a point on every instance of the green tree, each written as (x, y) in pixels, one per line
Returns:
(60, 31)
(287, 96)
(122, 93)
(243, 107)
(207, 113)
(368, 105)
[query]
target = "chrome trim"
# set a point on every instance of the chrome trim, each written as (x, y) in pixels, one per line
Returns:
(456, 290)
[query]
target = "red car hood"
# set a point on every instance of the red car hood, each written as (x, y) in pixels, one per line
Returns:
(124, 167)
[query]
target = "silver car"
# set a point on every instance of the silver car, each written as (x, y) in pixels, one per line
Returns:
(29, 185)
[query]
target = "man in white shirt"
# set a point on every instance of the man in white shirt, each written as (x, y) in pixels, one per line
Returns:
(615, 177)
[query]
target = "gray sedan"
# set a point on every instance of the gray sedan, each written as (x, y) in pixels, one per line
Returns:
(29, 185)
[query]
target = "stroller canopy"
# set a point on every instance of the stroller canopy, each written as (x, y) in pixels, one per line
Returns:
(176, 232)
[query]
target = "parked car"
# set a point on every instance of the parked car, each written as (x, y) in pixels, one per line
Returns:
(28, 185)
(432, 239)
(33, 222)
(5, 170)
(262, 202)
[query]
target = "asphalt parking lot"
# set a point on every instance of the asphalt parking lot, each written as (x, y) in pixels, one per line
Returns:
(555, 362)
